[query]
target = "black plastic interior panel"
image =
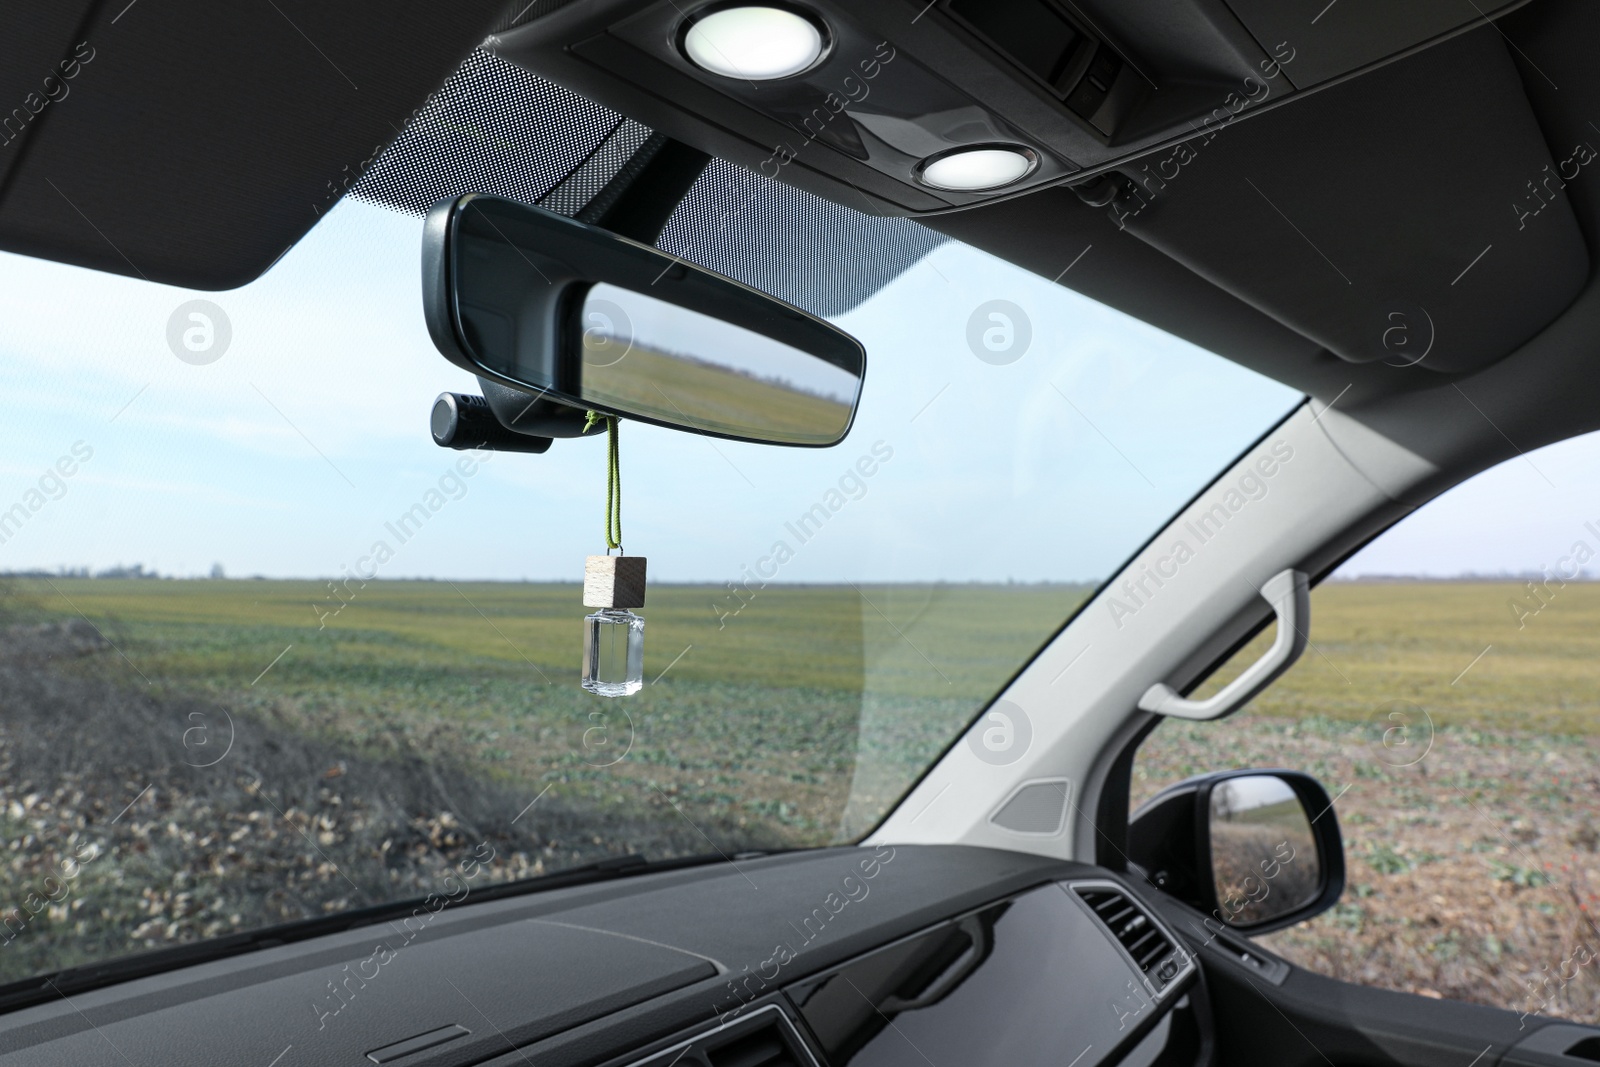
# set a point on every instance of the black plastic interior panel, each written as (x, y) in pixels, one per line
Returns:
(531, 978)
(1308, 1020)
(868, 100)
(1036, 34)
(1334, 37)
(582, 974)
(1041, 974)
(40, 65)
(1048, 231)
(203, 139)
(854, 133)
(788, 905)
(765, 1036)
(1083, 84)
(1562, 80)
(1556, 1045)
(1544, 391)
(1383, 232)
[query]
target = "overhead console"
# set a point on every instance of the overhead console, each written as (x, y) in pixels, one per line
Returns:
(914, 107)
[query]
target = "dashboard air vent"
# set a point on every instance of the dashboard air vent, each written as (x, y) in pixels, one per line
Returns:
(1149, 946)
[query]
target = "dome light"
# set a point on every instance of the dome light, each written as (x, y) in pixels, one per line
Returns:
(974, 170)
(754, 42)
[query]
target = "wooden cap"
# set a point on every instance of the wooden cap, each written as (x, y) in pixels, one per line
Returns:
(613, 582)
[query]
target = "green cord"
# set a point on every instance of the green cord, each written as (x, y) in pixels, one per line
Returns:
(613, 478)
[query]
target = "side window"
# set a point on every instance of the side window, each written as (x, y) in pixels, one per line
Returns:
(1449, 701)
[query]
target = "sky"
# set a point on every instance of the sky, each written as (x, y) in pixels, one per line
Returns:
(295, 451)
(1520, 517)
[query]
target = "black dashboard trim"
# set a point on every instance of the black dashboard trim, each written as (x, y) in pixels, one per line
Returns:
(737, 1027)
(724, 916)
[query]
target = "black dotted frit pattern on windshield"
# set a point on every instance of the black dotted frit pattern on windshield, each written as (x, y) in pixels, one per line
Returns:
(497, 128)
(809, 251)
(585, 183)
(493, 127)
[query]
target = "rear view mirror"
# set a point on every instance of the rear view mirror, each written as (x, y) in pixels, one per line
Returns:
(1256, 850)
(573, 313)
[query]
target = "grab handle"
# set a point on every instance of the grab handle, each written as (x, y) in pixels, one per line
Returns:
(1289, 593)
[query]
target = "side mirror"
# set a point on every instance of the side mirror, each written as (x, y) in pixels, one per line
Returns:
(1256, 850)
(574, 314)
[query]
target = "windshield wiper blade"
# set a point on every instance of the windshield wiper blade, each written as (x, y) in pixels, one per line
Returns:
(59, 984)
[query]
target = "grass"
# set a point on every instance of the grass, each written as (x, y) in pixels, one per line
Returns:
(809, 637)
(425, 716)
(754, 705)
(248, 752)
(1454, 648)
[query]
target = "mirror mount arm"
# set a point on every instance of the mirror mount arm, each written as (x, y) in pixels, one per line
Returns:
(534, 413)
(637, 202)
(1289, 593)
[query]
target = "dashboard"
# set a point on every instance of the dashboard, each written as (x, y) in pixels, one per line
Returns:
(921, 956)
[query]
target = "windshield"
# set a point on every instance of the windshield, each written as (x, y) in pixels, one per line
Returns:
(270, 654)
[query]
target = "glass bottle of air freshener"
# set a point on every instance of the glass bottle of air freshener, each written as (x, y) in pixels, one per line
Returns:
(613, 637)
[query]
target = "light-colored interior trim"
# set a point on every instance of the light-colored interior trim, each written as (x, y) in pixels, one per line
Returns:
(1295, 500)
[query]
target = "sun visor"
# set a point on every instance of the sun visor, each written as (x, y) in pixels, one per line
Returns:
(1413, 216)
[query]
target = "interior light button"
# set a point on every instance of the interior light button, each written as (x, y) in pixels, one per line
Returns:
(978, 169)
(754, 42)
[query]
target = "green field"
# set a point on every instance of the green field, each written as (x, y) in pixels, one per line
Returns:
(1375, 643)
(285, 749)
(379, 741)
(755, 704)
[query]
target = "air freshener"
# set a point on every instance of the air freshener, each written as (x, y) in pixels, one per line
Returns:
(613, 637)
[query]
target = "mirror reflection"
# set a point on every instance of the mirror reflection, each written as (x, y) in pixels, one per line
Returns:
(1264, 860)
(662, 361)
